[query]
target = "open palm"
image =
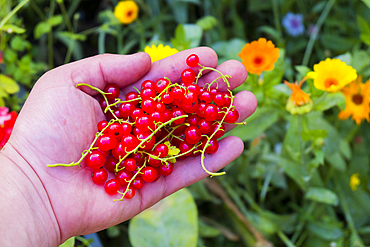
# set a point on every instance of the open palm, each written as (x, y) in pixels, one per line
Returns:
(58, 122)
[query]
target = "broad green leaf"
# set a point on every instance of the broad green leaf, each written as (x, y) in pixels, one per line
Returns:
(55, 20)
(17, 43)
(328, 101)
(229, 49)
(13, 28)
(207, 22)
(8, 84)
(346, 57)
(325, 231)
(366, 2)
(275, 76)
(313, 134)
(336, 161)
(179, 10)
(193, 33)
(361, 60)
(322, 195)
(41, 28)
(302, 71)
(262, 119)
(338, 43)
(345, 149)
(68, 243)
(170, 222)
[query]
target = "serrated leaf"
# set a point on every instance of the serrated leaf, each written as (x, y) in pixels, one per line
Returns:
(171, 222)
(322, 195)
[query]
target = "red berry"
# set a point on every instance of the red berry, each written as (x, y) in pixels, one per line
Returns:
(112, 186)
(227, 98)
(102, 124)
(110, 164)
(178, 92)
(188, 76)
(194, 88)
(168, 97)
(190, 108)
(112, 90)
(147, 93)
(167, 115)
(95, 159)
(161, 150)
(212, 145)
(160, 107)
(132, 96)
(119, 151)
(149, 174)
(210, 112)
(200, 110)
(125, 109)
(219, 132)
(219, 99)
(177, 113)
(130, 193)
(205, 126)
(161, 84)
(148, 106)
(192, 60)
(145, 123)
(99, 176)
(107, 142)
(192, 134)
(139, 158)
(154, 162)
(126, 128)
(130, 142)
(157, 117)
(137, 112)
(213, 92)
(205, 97)
(193, 120)
(147, 145)
(137, 183)
(190, 97)
(130, 164)
(124, 177)
(185, 147)
(116, 130)
(232, 116)
(166, 169)
(147, 84)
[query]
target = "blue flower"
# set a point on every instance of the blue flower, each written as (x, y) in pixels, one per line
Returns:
(293, 24)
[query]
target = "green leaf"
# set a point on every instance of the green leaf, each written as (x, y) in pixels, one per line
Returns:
(229, 49)
(17, 43)
(336, 161)
(338, 43)
(325, 231)
(302, 71)
(8, 84)
(55, 20)
(322, 195)
(68, 243)
(262, 119)
(170, 222)
(13, 28)
(207, 231)
(113, 232)
(345, 149)
(366, 2)
(313, 134)
(41, 28)
(193, 33)
(275, 76)
(328, 101)
(207, 22)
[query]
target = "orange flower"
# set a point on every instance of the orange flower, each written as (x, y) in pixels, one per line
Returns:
(299, 102)
(259, 56)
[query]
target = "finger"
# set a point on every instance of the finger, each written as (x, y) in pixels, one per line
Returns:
(172, 66)
(245, 103)
(100, 70)
(233, 68)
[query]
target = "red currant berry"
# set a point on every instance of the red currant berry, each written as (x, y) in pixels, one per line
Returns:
(232, 116)
(148, 106)
(107, 142)
(130, 164)
(157, 117)
(167, 115)
(219, 99)
(140, 158)
(154, 162)
(147, 93)
(116, 130)
(137, 112)
(205, 97)
(192, 60)
(185, 147)
(177, 113)
(149, 174)
(200, 110)
(95, 159)
(112, 91)
(126, 128)
(145, 123)
(102, 124)
(166, 169)
(212, 145)
(190, 108)
(161, 84)
(110, 164)
(194, 88)
(189, 98)
(112, 186)
(130, 142)
(132, 96)
(188, 76)
(124, 177)
(161, 150)
(210, 112)
(192, 134)
(220, 132)
(125, 109)
(99, 176)
(147, 84)
(103, 104)
(148, 144)
(119, 151)
(160, 107)
(168, 97)
(213, 92)
(178, 92)
(227, 98)
(130, 193)
(193, 120)
(205, 126)
(137, 183)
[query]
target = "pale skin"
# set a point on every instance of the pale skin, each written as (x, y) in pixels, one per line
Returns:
(44, 206)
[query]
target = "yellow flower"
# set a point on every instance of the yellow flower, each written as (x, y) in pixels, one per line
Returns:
(299, 102)
(332, 75)
(357, 97)
(160, 52)
(126, 11)
(354, 181)
(259, 56)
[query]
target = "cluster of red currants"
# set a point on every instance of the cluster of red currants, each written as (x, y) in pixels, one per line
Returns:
(153, 128)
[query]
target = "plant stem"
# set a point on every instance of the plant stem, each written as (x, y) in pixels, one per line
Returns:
(11, 13)
(101, 41)
(65, 16)
(275, 9)
(285, 239)
(313, 37)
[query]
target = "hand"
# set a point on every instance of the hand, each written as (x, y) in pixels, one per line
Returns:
(58, 121)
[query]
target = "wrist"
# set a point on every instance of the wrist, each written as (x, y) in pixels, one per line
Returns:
(27, 217)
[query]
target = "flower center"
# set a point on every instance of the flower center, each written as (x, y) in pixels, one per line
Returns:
(330, 81)
(295, 23)
(357, 99)
(129, 13)
(258, 61)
